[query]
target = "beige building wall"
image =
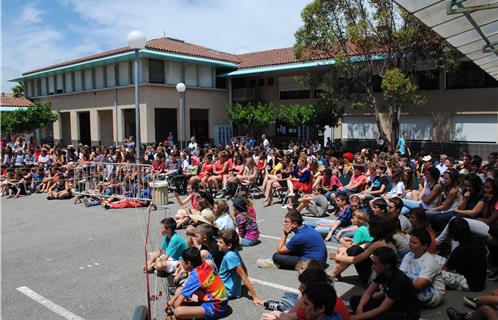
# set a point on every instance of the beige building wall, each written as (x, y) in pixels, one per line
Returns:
(151, 96)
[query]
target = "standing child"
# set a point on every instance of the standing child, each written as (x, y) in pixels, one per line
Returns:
(246, 223)
(232, 269)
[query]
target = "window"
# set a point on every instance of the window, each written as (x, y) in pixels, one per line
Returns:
(51, 85)
(156, 71)
(417, 127)
(110, 75)
(124, 73)
(43, 88)
(469, 75)
(475, 127)
(252, 83)
(68, 79)
(427, 80)
(174, 73)
(270, 81)
(191, 75)
(205, 77)
(291, 88)
(261, 82)
(295, 94)
(283, 130)
(317, 93)
(88, 74)
(77, 81)
(99, 78)
(59, 84)
(29, 90)
(359, 127)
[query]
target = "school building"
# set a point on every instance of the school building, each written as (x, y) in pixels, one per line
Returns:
(94, 97)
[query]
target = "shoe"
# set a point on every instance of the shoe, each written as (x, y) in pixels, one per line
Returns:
(469, 301)
(290, 194)
(454, 314)
(272, 305)
(220, 194)
(265, 263)
(107, 206)
(493, 276)
(86, 202)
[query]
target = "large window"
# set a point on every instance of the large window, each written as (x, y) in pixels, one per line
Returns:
(474, 127)
(291, 88)
(205, 77)
(359, 127)
(283, 130)
(156, 71)
(469, 75)
(417, 127)
(174, 74)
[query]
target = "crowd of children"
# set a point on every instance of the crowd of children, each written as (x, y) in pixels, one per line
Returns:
(412, 227)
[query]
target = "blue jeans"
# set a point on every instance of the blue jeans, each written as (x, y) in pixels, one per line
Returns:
(348, 234)
(410, 204)
(315, 223)
(289, 299)
(247, 243)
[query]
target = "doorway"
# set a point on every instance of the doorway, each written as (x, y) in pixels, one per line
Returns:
(199, 125)
(165, 121)
(84, 119)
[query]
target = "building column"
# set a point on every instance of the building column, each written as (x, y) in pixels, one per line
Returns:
(95, 134)
(57, 128)
(120, 125)
(75, 128)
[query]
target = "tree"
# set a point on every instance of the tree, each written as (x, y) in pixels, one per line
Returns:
(253, 116)
(27, 119)
(18, 90)
(398, 92)
(296, 115)
(367, 38)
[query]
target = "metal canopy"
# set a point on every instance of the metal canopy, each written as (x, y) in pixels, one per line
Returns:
(471, 26)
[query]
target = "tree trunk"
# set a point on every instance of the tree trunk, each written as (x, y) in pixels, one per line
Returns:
(379, 121)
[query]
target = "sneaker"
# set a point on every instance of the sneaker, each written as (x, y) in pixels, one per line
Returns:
(290, 194)
(469, 301)
(107, 206)
(220, 194)
(265, 263)
(86, 202)
(272, 305)
(454, 314)
(493, 276)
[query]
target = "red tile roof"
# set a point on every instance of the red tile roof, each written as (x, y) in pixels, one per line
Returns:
(8, 100)
(160, 44)
(247, 60)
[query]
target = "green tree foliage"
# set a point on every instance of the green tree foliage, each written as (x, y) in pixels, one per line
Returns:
(296, 115)
(27, 119)
(253, 116)
(18, 90)
(399, 91)
(367, 38)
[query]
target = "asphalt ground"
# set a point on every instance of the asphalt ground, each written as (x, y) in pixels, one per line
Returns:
(86, 263)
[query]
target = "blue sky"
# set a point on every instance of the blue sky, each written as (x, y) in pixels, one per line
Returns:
(38, 33)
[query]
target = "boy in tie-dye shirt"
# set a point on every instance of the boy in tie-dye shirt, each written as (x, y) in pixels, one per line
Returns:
(205, 283)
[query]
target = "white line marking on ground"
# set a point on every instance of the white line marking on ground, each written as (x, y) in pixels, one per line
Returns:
(81, 268)
(89, 265)
(274, 285)
(277, 238)
(49, 304)
(96, 263)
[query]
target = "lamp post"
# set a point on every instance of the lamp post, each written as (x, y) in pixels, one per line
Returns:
(136, 41)
(180, 87)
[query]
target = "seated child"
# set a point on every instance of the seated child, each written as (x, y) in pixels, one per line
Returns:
(166, 258)
(246, 223)
(232, 270)
(204, 283)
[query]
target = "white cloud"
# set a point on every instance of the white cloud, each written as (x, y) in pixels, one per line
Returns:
(225, 25)
(30, 14)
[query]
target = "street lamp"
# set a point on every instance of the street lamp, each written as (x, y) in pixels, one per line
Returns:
(136, 41)
(180, 87)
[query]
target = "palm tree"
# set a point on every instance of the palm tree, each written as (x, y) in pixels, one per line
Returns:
(18, 90)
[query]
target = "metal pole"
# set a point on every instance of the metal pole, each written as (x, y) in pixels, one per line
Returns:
(137, 111)
(182, 123)
(116, 130)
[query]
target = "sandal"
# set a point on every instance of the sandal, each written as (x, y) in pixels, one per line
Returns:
(157, 296)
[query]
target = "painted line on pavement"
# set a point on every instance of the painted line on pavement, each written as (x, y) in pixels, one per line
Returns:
(49, 304)
(277, 238)
(275, 285)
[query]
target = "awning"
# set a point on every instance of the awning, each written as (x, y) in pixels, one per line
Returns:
(471, 26)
